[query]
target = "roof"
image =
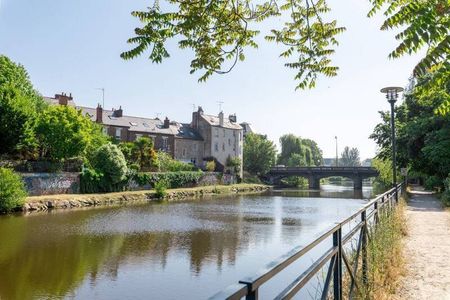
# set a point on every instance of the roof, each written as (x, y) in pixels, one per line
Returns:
(214, 121)
(140, 124)
(54, 101)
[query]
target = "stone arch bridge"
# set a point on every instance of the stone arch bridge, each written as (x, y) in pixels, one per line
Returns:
(314, 174)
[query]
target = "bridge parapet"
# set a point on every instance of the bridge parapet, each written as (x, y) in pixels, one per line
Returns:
(314, 174)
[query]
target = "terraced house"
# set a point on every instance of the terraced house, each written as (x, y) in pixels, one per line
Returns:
(207, 137)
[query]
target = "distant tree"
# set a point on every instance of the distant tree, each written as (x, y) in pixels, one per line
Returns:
(259, 154)
(290, 144)
(64, 132)
(296, 160)
(350, 157)
(316, 157)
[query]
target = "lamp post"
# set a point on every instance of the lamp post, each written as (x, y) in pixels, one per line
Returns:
(392, 96)
(337, 158)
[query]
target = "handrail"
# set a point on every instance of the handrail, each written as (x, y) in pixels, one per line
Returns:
(248, 287)
(322, 169)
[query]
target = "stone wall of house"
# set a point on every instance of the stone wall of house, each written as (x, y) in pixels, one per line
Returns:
(51, 183)
(188, 150)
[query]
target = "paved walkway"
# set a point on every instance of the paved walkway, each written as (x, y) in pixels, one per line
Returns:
(427, 249)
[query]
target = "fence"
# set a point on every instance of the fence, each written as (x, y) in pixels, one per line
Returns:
(334, 256)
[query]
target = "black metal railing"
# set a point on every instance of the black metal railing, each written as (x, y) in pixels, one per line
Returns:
(335, 256)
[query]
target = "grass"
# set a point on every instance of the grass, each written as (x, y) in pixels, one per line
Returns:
(386, 263)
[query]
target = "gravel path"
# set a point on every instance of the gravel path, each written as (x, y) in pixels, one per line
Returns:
(427, 249)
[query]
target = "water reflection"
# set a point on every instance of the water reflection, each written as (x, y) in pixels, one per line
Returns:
(112, 253)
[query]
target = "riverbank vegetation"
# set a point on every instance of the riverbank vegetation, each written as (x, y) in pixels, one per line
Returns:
(12, 191)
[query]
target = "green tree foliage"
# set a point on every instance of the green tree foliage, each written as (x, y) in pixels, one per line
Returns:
(350, 157)
(19, 106)
(290, 144)
(108, 172)
(423, 137)
(234, 164)
(12, 190)
(219, 32)
(140, 153)
(296, 151)
(259, 154)
(63, 132)
(424, 23)
(384, 180)
(165, 163)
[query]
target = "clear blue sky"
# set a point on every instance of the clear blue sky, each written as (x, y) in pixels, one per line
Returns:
(74, 46)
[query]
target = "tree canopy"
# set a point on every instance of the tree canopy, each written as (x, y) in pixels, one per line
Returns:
(296, 151)
(63, 132)
(259, 154)
(350, 157)
(219, 32)
(19, 106)
(423, 137)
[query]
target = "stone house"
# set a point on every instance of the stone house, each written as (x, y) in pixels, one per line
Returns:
(223, 137)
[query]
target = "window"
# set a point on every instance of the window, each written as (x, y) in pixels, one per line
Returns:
(224, 133)
(153, 137)
(105, 130)
(229, 142)
(118, 133)
(216, 132)
(184, 152)
(223, 147)
(240, 136)
(138, 136)
(195, 147)
(165, 142)
(216, 147)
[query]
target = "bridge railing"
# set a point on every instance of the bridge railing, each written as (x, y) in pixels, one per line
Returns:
(358, 229)
(278, 168)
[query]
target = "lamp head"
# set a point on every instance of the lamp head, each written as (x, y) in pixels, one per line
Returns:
(392, 93)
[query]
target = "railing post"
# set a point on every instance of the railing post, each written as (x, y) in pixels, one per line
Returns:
(252, 295)
(364, 247)
(337, 274)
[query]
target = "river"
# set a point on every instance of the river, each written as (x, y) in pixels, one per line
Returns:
(189, 249)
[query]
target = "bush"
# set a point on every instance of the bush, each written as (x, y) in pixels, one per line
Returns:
(166, 163)
(12, 190)
(172, 179)
(108, 171)
(161, 188)
(211, 166)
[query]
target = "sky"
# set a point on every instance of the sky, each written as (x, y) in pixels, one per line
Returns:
(73, 46)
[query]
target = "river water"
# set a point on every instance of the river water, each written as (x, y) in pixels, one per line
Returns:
(188, 250)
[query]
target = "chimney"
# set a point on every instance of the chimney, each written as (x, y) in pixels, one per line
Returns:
(63, 99)
(99, 114)
(196, 116)
(232, 118)
(166, 122)
(221, 118)
(118, 112)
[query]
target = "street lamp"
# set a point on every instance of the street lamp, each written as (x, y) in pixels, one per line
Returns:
(392, 96)
(337, 158)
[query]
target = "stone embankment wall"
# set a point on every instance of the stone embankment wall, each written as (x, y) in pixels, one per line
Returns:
(42, 203)
(38, 184)
(51, 183)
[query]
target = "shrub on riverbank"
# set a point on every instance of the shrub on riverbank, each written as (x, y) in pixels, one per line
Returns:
(445, 197)
(12, 190)
(172, 179)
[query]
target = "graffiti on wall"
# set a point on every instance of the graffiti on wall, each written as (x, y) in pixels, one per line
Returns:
(51, 183)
